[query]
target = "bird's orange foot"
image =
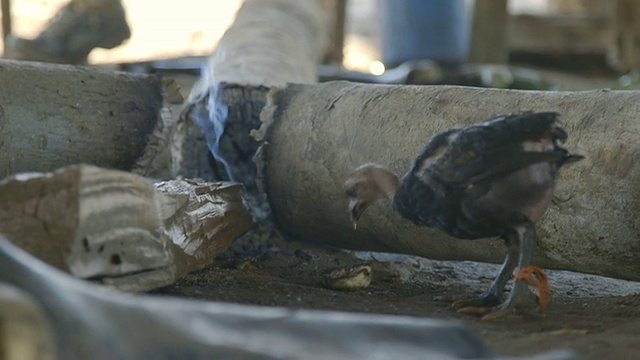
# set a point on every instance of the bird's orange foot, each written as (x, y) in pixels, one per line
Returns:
(491, 313)
(540, 283)
(520, 297)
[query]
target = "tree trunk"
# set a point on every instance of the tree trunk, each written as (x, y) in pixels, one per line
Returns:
(56, 115)
(320, 133)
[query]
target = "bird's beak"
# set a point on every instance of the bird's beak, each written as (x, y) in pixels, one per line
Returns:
(355, 210)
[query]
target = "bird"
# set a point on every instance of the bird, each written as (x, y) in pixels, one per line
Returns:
(495, 178)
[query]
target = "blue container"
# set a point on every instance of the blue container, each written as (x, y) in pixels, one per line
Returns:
(423, 29)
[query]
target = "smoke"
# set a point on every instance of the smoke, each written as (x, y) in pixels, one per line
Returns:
(212, 118)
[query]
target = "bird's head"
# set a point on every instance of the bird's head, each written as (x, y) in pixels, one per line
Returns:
(367, 184)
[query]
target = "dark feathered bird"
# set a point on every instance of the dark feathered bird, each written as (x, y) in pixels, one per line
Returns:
(495, 178)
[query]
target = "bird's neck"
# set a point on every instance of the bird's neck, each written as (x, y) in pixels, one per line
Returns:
(387, 182)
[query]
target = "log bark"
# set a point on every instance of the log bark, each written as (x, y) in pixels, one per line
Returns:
(118, 228)
(57, 115)
(235, 146)
(320, 133)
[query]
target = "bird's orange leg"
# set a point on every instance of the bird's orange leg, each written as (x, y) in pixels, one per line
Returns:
(520, 296)
(540, 283)
(493, 295)
(523, 276)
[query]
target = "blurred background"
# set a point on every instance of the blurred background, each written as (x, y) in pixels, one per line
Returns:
(592, 38)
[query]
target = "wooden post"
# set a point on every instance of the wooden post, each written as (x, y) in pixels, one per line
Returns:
(489, 32)
(6, 19)
(338, 12)
(625, 55)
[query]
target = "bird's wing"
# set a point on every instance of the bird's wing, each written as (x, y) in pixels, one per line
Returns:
(478, 171)
(495, 148)
(433, 151)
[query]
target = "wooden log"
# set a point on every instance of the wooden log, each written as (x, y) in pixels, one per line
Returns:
(320, 133)
(271, 43)
(236, 147)
(118, 228)
(56, 115)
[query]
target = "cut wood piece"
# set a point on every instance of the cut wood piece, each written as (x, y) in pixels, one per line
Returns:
(162, 157)
(202, 219)
(320, 133)
(57, 115)
(115, 227)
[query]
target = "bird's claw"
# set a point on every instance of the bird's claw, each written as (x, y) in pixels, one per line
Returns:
(517, 302)
(459, 302)
(490, 313)
(500, 313)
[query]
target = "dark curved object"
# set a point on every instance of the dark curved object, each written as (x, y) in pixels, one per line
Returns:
(93, 322)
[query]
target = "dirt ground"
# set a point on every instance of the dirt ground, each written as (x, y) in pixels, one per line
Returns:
(595, 325)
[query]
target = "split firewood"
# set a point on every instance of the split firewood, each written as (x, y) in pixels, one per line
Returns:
(118, 228)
